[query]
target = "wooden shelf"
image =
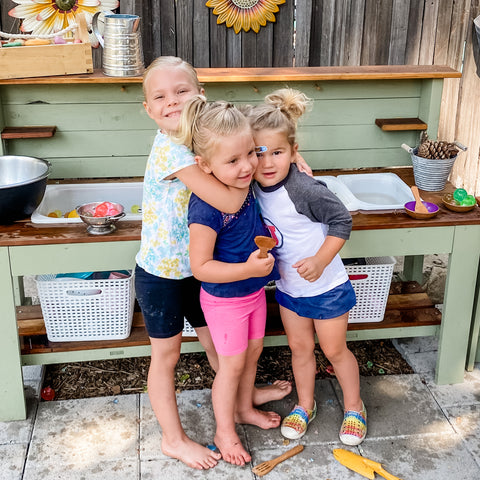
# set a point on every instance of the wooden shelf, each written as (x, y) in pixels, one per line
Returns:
(400, 124)
(12, 133)
(408, 306)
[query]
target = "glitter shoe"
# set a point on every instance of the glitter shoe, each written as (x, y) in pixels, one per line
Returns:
(294, 425)
(354, 427)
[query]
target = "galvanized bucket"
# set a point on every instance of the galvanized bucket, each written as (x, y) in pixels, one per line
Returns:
(431, 175)
(122, 45)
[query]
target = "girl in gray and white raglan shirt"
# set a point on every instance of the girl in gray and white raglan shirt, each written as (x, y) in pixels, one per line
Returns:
(315, 295)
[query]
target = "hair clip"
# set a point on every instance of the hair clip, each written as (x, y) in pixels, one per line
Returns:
(261, 149)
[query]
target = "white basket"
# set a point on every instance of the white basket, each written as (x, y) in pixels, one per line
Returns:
(86, 309)
(188, 330)
(371, 283)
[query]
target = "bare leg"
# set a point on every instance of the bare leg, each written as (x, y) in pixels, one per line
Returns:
(161, 391)
(301, 340)
(224, 395)
(276, 391)
(245, 411)
(332, 338)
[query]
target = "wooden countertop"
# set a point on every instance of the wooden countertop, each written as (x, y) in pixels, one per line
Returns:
(270, 74)
(27, 233)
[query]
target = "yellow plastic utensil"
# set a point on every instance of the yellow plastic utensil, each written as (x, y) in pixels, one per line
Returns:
(265, 467)
(361, 465)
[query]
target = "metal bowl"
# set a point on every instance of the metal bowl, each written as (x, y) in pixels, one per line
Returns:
(431, 207)
(22, 185)
(99, 225)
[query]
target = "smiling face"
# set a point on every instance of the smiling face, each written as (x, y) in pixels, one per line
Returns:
(231, 159)
(274, 163)
(166, 91)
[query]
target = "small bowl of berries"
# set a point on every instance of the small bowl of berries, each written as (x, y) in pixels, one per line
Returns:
(100, 217)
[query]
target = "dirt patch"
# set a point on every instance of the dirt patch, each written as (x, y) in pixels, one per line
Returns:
(129, 375)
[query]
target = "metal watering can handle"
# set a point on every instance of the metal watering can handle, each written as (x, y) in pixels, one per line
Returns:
(95, 29)
(407, 148)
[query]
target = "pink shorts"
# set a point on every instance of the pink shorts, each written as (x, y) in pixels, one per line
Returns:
(234, 321)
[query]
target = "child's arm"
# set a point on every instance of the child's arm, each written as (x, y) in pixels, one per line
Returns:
(311, 268)
(212, 191)
(206, 269)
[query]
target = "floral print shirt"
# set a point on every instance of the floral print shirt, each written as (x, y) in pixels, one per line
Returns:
(165, 237)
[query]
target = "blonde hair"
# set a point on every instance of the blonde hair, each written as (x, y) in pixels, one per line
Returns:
(280, 111)
(202, 123)
(171, 62)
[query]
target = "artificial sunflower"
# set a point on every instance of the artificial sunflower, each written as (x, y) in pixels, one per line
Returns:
(42, 17)
(246, 14)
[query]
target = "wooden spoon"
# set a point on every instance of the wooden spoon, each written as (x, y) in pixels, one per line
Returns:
(419, 206)
(265, 467)
(264, 244)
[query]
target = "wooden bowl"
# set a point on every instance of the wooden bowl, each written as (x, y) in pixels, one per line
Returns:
(431, 207)
(450, 203)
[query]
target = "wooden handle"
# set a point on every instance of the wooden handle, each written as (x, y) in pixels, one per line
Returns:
(419, 206)
(290, 453)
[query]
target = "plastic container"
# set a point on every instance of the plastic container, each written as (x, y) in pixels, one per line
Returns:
(371, 283)
(79, 310)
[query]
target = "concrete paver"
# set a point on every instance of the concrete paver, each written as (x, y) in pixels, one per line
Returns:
(416, 429)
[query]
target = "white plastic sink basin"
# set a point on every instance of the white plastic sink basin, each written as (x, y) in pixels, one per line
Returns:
(67, 197)
(369, 191)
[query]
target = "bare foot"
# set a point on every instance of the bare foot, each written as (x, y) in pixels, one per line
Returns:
(191, 454)
(276, 391)
(232, 449)
(259, 418)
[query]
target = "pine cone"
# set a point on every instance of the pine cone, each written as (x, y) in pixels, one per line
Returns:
(437, 149)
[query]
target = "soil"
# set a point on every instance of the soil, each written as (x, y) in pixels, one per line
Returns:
(129, 375)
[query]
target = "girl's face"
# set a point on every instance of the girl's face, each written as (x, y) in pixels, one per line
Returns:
(232, 159)
(166, 91)
(274, 162)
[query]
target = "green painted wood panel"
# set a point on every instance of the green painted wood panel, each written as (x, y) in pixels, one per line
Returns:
(12, 404)
(103, 129)
(77, 257)
(81, 116)
(398, 242)
(87, 144)
(122, 116)
(90, 167)
(102, 93)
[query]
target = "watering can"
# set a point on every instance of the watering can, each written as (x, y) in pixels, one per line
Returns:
(122, 44)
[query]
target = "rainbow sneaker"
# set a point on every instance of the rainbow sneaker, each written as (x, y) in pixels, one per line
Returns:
(354, 427)
(295, 424)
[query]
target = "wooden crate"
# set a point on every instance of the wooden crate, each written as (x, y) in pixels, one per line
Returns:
(47, 60)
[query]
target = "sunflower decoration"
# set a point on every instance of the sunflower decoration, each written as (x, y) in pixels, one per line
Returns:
(246, 14)
(43, 17)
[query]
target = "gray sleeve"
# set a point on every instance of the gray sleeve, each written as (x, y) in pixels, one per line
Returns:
(314, 200)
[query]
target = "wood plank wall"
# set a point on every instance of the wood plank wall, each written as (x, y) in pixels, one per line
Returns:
(331, 32)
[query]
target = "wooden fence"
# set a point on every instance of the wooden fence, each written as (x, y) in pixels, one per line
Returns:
(330, 32)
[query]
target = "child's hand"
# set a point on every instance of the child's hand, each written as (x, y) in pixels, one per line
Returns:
(259, 267)
(302, 165)
(310, 268)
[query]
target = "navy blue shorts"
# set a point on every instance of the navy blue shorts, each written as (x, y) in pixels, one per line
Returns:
(331, 304)
(166, 302)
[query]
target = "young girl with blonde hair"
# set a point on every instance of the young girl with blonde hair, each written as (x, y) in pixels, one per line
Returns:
(315, 295)
(223, 255)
